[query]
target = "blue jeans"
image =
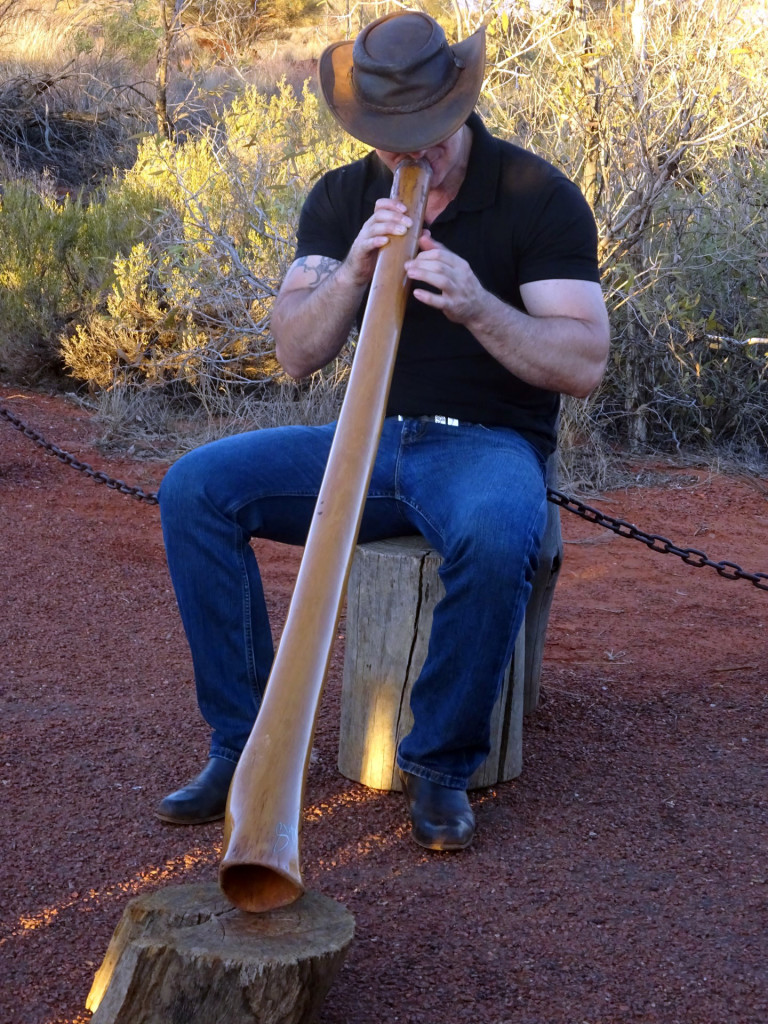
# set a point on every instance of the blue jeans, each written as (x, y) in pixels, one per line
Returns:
(478, 496)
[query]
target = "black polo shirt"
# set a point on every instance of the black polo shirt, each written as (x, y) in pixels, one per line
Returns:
(515, 220)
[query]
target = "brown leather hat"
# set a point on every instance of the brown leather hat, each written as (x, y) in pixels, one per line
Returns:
(399, 86)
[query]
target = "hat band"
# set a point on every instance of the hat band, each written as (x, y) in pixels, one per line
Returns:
(410, 108)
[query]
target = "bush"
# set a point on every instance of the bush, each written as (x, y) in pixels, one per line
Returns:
(71, 97)
(164, 280)
(192, 303)
(56, 258)
(659, 112)
(233, 24)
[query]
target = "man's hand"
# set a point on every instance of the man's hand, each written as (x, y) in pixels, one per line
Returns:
(315, 308)
(459, 293)
(389, 218)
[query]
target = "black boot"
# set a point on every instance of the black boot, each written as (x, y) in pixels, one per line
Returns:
(203, 799)
(441, 817)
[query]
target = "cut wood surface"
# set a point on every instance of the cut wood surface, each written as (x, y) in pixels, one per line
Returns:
(185, 955)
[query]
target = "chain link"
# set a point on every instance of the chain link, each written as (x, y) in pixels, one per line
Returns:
(101, 478)
(691, 556)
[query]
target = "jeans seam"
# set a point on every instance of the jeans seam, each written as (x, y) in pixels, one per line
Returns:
(233, 511)
(247, 626)
(521, 584)
(405, 502)
(227, 753)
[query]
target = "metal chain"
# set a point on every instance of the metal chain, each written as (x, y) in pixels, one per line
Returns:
(691, 556)
(83, 467)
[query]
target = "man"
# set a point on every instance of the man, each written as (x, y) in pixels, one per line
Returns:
(506, 313)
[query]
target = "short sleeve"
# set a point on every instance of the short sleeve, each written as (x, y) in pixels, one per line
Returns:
(561, 240)
(335, 210)
(320, 232)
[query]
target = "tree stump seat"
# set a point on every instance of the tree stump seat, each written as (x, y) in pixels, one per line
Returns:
(393, 589)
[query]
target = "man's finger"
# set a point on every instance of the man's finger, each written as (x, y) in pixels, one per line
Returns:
(427, 242)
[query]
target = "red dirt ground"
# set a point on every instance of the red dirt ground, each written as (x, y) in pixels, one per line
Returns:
(621, 879)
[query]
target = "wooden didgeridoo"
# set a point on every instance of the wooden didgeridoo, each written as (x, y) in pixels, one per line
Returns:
(260, 867)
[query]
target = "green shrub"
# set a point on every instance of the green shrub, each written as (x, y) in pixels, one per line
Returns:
(191, 302)
(56, 257)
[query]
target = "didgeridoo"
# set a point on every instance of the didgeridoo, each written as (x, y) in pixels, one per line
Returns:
(260, 868)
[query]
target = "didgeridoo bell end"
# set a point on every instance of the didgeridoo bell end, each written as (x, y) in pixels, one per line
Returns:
(256, 888)
(260, 869)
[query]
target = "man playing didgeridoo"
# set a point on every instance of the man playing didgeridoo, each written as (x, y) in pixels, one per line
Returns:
(506, 313)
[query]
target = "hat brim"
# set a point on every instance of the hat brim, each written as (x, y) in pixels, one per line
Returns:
(402, 133)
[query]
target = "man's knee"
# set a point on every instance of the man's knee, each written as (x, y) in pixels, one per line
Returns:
(189, 485)
(179, 483)
(504, 544)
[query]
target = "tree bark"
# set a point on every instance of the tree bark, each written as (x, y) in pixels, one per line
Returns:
(169, 25)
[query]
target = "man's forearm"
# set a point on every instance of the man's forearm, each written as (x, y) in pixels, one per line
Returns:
(559, 353)
(560, 343)
(312, 317)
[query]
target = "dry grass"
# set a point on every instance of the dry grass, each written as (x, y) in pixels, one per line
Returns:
(42, 34)
(67, 104)
(155, 423)
(77, 83)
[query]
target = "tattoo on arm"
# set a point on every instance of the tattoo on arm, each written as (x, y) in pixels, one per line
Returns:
(321, 266)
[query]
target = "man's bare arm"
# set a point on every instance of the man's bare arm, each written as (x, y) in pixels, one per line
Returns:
(312, 315)
(560, 343)
(316, 306)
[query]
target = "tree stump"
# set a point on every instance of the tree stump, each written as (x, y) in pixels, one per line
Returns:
(542, 595)
(393, 589)
(185, 955)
